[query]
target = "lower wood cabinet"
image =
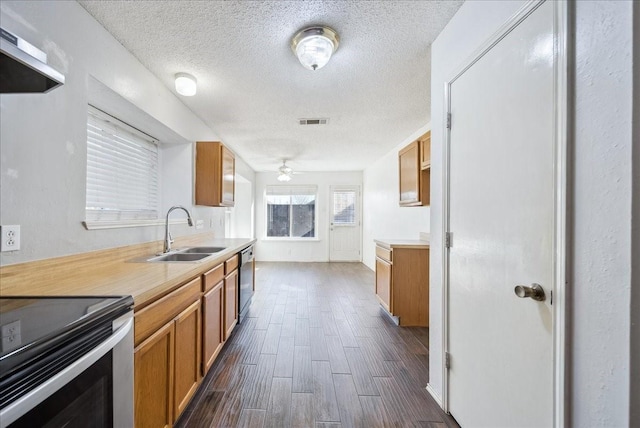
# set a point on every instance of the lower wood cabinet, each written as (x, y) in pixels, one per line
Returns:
(177, 339)
(383, 282)
(153, 379)
(230, 303)
(212, 324)
(188, 356)
(402, 284)
(167, 364)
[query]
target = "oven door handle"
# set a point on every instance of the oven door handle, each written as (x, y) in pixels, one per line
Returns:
(24, 404)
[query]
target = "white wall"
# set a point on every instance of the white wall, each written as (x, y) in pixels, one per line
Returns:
(43, 136)
(634, 397)
(471, 25)
(382, 215)
(602, 225)
(307, 251)
(601, 276)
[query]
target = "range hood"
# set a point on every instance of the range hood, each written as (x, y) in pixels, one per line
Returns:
(23, 67)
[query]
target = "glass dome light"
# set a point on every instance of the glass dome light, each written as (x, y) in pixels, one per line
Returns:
(186, 84)
(314, 46)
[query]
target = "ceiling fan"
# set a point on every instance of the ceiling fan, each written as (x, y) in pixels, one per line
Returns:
(284, 172)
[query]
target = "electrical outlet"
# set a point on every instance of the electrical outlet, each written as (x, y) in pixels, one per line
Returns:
(11, 336)
(10, 237)
(199, 224)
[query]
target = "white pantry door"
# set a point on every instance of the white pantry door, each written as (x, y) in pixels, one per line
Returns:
(344, 230)
(501, 216)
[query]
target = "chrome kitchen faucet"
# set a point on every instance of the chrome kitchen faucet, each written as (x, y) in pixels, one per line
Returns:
(167, 235)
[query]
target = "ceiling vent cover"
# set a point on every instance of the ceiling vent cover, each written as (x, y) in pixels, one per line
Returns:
(320, 121)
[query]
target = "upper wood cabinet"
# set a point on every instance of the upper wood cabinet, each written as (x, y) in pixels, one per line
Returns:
(425, 150)
(215, 174)
(415, 182)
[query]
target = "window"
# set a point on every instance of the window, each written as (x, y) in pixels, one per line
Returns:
(122, 171)
(291, 211)
(344, 207)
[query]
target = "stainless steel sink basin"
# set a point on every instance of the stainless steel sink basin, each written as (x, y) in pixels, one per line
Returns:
(179, 257)
(202, 250)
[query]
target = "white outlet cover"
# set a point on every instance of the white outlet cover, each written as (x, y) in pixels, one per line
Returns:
(10, 237)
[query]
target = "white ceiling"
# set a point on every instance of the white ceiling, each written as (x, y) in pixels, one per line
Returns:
(252, 90)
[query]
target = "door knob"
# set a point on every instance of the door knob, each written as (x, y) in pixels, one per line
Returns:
(536, 292)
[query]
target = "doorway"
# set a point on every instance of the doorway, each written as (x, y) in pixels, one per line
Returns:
(345, 224)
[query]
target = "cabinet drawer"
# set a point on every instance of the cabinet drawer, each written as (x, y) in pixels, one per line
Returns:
(151, 318)
(213, 277)
(230, 265)
(384, 253)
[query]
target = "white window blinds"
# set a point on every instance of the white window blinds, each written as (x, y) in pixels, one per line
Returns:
(122, 171)
(344, 207)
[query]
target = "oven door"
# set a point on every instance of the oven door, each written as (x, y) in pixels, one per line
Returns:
(96, 390)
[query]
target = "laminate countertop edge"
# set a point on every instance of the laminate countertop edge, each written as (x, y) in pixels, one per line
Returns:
(402, 243)
(100, 273)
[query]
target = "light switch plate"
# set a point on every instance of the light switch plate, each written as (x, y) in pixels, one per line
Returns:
(10, 237)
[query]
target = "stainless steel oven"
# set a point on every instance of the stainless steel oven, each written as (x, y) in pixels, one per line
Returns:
(66, 362)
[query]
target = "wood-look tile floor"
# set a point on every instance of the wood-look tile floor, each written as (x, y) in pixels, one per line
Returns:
(315, 350)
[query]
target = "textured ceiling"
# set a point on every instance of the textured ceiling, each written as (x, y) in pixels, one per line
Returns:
(252, 90)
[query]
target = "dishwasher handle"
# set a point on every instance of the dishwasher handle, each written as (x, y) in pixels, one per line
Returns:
(247, 255)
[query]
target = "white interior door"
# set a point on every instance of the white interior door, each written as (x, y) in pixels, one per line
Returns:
(344, 228)
(501, 216)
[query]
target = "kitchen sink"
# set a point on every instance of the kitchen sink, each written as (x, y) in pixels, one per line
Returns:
(202, 250)
(179, 257)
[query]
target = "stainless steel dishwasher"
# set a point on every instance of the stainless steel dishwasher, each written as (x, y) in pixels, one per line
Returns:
(246, 281)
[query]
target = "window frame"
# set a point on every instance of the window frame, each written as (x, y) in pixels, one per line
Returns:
(92, 220)
(266, 237)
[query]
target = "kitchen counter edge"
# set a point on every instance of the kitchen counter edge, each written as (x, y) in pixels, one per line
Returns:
(402, 243)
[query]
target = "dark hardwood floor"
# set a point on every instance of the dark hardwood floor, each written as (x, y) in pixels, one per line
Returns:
(315, 350)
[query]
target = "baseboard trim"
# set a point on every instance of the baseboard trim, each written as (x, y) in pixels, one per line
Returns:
(434, 395)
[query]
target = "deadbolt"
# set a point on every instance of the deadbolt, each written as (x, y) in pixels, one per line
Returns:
(536, 292)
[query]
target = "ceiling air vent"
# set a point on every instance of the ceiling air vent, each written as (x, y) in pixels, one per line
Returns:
(322, 121)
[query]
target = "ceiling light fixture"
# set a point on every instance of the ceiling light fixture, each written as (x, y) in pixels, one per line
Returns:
(314, 46)
(284, 172)
(186, 84)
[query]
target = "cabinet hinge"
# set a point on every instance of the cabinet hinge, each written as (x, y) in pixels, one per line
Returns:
(448, 120)
(447, 360)
(448, 239)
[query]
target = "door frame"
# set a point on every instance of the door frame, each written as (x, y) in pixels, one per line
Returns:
(562, 133)
(358, 189)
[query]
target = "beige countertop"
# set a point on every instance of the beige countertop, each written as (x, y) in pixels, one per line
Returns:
(402, 243)
(111, 272)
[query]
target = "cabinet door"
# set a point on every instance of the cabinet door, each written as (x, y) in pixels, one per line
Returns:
(409, 168)
(215, 174)
(212, 334)
(187, 356)
(153, 379)
(228, 178)
(383, 283)
(230, 303)
(425, 151)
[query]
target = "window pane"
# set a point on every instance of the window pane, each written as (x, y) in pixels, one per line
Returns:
(304, 218)
(277, 217)
(344, 204)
